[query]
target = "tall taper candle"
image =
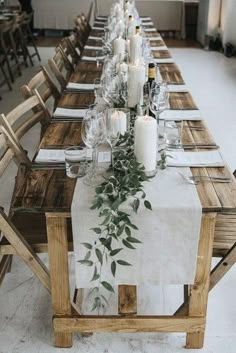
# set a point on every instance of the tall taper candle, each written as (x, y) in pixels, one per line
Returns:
(136, 80)
(145, 143)
(135, 49)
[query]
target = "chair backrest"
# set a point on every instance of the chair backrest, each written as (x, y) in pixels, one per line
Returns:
(90, 12)
(82, 28)
(61, 67)
(15, 125)
(43, 83)
(69, 51)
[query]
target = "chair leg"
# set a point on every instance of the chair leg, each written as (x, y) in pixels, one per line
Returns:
(6, 79)
(15, 53)
(4, 265)
(30, 35)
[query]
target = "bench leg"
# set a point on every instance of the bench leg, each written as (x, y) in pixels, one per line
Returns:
(199, 291)
(59, 273)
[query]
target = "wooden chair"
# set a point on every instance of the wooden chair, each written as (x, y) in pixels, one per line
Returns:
(16, 124)
(44, 85)
(28, 35)
(61, 67)
(4, 74)
(20, 40)
(8, 48)
(69, 51)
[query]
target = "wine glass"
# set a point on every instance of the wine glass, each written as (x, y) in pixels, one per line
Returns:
(112, 130)
(159, 98)
(92, 133)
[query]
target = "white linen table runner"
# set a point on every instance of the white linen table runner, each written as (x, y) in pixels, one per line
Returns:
(170, 234)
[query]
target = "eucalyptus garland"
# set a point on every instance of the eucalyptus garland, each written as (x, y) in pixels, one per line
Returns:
(115, 232)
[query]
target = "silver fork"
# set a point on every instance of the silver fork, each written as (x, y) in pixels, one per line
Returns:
(196, 179)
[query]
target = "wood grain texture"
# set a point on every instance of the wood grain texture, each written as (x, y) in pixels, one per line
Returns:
(131, 324)
(161, 54)
(58, 260)
(60, 135)
(85, 76)
(76, 100)
(43, 190)
(199, 291)
(156, 43)
(88, 67)
(127, 300)
(182, 101)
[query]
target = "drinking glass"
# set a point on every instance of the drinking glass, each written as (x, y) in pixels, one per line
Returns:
(173, 134)
(117, 123)
(92, 133)
(159, 98)
(97, 87)
(76, 161)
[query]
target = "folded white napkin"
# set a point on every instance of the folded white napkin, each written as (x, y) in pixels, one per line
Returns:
(92, 58)
(155, 38)
(95, 38)
(71, 113)
(145, 19)
(163, 47)
(58, 156)
(195, 159)
(92, 47)
(178, 88)
(99, 22)
(101, 18)
(80, 86)
(164, 61)
(181, 115)
(150, 30)
(98, 28)
(147, 23)
(50, 155)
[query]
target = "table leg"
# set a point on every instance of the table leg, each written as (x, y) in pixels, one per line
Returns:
(59, 273)
(199, 291)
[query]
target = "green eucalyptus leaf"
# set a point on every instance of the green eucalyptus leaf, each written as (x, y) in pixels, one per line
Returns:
(115, 251)
(148, 205)
(133, 240)
(97, 230)
(95, 274)
(128, 231)
(135, 205)
(107, 286)
(99, 256)
(86, 262)
(123, 263)
(87, 256)
(113, 268)
(87, 246)
(127, 244)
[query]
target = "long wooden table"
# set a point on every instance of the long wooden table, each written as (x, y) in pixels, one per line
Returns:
(50, 203)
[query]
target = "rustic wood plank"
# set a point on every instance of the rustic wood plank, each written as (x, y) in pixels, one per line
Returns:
(88, 66)
(223, 266)
(85, 76)
(172, 77)
(168, 67)
(43, 190)
(161, 54)
(182, 100)
(156, 43)
(61, 134)
(199, 291)
(58, 260)
(127, 300)
(131, 324)
(76, 100)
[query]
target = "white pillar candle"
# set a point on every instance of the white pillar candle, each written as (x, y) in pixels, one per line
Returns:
(135, 49)
(131, 27)
(123, 72)
(119, 46)
(136, 80)
(145, 142)
(119, 122)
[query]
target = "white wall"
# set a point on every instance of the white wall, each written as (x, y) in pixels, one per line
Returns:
(229, 22)
(208, 18)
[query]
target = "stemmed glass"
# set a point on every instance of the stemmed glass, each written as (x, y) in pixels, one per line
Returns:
(159, 99)
(92, 133)
(112, 131)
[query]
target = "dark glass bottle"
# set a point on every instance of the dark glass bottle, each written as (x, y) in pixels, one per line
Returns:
(151, 79)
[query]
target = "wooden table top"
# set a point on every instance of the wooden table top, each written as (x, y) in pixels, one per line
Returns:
(50, 190)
